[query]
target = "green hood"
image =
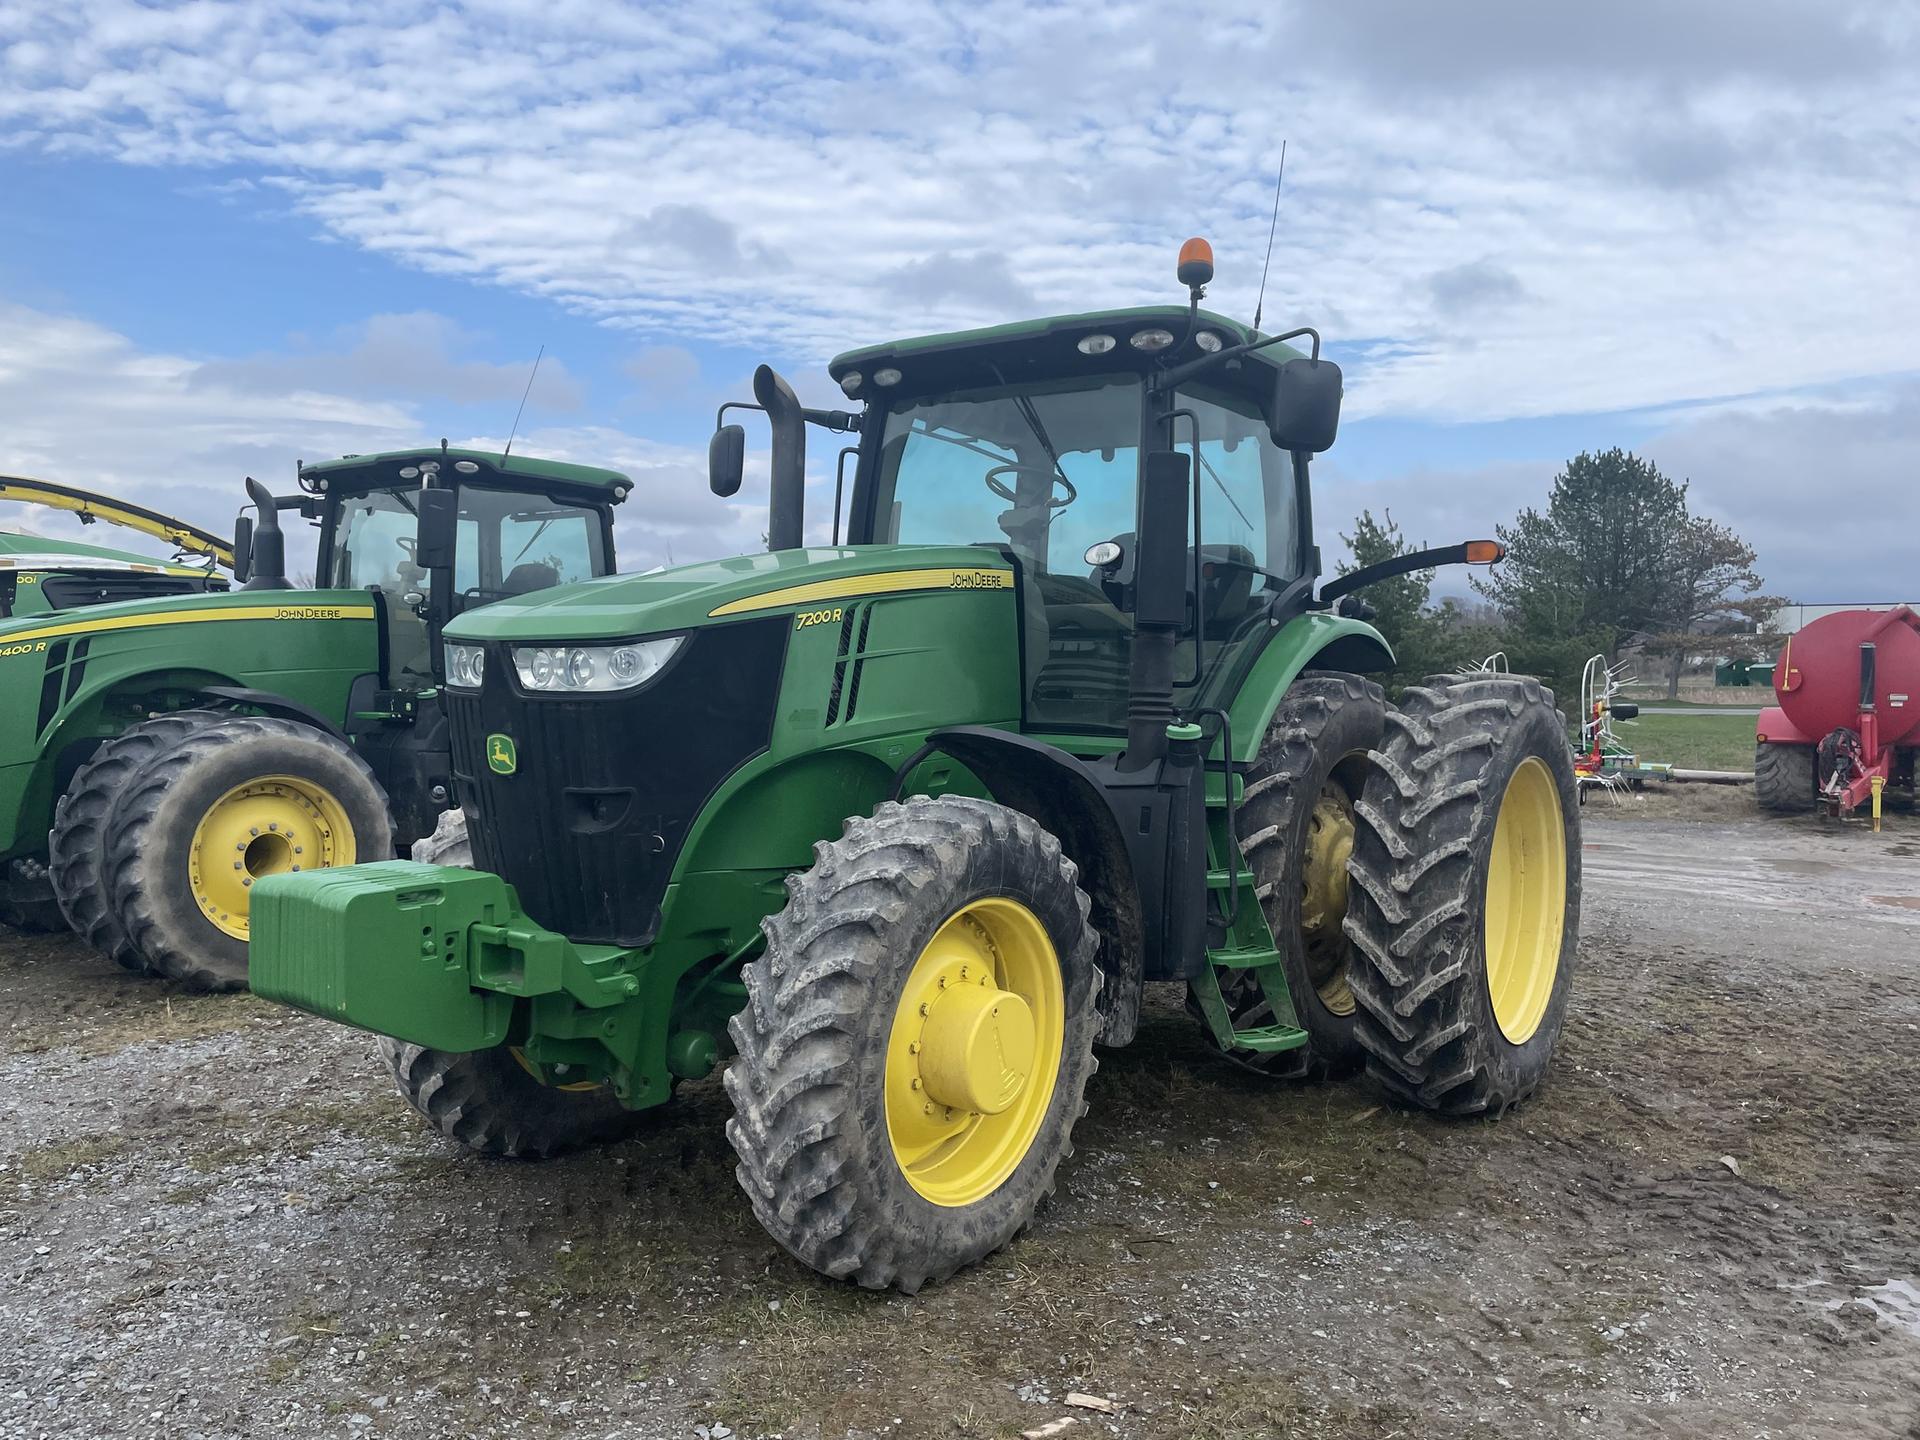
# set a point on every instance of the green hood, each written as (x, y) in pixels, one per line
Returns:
(627, 606)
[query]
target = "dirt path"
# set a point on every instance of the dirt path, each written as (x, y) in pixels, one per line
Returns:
(217, 1221)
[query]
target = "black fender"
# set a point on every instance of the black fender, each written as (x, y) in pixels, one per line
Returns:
(1064, 795)
(1356, 654)
(269, 703)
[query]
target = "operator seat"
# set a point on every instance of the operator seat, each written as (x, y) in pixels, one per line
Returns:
(524, 579)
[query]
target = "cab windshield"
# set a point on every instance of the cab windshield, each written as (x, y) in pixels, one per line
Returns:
(1042, 473)
(509, 543)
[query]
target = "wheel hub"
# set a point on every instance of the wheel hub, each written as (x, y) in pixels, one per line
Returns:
(1323, 895)
(268, 826)
(1526, 901)
(976, 1051)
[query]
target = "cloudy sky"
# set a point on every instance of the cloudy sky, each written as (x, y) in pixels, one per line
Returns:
(239, 234)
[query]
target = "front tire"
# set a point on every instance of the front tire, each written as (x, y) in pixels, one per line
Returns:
(228, 803)
(1465, 901)
(489, 1101)
(449, 844)
(917, 1042)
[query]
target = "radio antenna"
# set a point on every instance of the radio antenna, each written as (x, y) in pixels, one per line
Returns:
(536, 370)
(1272, 227)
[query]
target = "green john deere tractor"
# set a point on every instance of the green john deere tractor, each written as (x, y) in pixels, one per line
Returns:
(159, 755)
(897, 828)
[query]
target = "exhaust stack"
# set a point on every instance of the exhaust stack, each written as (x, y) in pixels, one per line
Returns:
(269, 560)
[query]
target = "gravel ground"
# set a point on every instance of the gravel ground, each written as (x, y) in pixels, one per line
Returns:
(218, 1221)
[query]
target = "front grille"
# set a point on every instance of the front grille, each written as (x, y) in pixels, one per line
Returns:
(590, 822)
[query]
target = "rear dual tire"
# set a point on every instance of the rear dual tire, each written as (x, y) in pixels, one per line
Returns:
(1295, 823)
(226, 803)
(1464, 909)
(82, 827)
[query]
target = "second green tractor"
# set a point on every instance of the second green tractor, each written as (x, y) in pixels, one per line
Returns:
(896, 829)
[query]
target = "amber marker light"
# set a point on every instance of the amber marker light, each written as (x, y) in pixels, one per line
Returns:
(1196, 263)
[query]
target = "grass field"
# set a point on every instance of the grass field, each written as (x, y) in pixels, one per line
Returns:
(1700, 741)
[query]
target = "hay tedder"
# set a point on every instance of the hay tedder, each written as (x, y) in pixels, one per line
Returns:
(1848, 723)
(896, 829)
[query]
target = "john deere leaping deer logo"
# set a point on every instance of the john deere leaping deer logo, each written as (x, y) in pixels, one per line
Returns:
(502, 758)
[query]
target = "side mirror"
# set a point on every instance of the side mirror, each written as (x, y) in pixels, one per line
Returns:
(242, 547)
(438, 529)
(1305, 414)
(727, 460)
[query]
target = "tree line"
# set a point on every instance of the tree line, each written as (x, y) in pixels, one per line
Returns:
(1616, 563)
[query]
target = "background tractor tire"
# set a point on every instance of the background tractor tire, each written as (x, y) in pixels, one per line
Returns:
(1470, 812)
(861, 1155)
(449, 844)
(27, 898)
(1295, 826)
(229, 802)
(490, 1102)
(77, 846)
(1784, 778)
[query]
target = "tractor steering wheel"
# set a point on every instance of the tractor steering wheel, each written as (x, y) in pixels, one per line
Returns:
(1054, 477)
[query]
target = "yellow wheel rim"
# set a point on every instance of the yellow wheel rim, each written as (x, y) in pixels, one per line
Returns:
(1526, 900)
(1323, 896)
(974, 1052)
(268, 826)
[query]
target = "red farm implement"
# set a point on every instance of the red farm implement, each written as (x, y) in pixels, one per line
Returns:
(1848, 722)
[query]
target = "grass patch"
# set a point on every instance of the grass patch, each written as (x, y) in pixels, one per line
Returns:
(50, 1162)
(1701, 741)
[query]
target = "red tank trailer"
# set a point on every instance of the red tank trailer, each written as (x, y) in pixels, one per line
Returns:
(1848, 722)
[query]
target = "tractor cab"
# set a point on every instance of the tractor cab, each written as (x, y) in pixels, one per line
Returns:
(1029, 440)
(435, 533)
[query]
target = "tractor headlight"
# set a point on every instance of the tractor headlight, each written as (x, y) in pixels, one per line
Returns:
(574, 669)
(465, 665)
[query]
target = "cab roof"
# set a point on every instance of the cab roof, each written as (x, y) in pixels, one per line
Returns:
(1048, 346)
(376, 471)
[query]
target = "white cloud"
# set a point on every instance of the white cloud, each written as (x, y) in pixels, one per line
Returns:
(86, 407)
(416, 355)
(1514, 210)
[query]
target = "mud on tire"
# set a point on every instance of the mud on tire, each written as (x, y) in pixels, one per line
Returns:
(77, 846)
(1316, 745)
(153, 828)
(808, 1086)
(1784, 777)
(1418, 897)
(489, 1102)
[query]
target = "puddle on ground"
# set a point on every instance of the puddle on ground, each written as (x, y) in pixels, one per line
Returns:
(1905, 902)
(1802, 867)
(1895, 1304)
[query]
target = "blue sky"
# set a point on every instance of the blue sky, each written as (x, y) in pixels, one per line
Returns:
(239, 234)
